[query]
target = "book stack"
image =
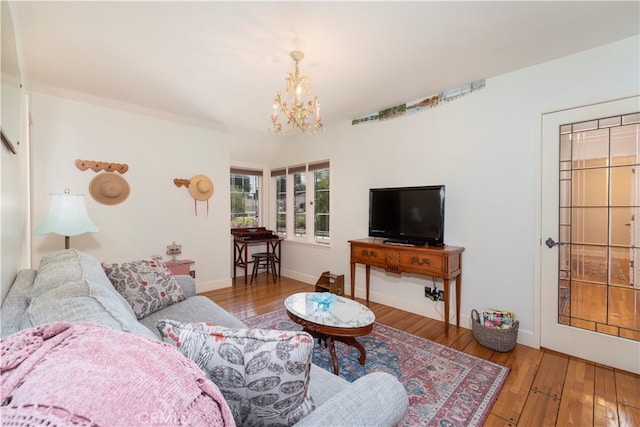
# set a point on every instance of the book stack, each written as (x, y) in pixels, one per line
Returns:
(497, 319)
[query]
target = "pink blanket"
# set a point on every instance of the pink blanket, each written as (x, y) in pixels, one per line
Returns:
(87, 374)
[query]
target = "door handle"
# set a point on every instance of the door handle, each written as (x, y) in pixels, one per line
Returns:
(551, 243)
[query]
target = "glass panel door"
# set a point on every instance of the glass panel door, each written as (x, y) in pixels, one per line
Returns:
(597, 287)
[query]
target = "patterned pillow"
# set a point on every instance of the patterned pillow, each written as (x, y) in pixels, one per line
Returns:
(147, 285)
(263, 374)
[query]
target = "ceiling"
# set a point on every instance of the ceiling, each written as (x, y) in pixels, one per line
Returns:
(219, 64)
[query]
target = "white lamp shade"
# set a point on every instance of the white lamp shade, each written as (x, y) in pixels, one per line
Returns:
(67, 216)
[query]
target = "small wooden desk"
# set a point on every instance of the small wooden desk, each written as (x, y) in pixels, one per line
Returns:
(442, 262)
(241, 249)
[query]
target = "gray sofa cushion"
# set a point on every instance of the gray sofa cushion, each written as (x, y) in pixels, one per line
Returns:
(16, 302)
(193, 309)
(376, 399)
(187, 284)
(71, 286)
(81, 302)
(58, 268)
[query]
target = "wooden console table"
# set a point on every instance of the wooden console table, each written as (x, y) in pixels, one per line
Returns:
(442, 262)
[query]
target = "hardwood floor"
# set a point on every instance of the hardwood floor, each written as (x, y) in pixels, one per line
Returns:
(544, 388)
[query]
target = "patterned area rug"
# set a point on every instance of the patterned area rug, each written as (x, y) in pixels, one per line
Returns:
(446, 387)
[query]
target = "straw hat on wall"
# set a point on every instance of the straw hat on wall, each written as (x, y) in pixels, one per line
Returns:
(200, 187)
(109, 188)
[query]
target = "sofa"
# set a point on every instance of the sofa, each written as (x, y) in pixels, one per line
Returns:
(72, 286)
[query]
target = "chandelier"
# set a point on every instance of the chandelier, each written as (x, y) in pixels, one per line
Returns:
(301, 112)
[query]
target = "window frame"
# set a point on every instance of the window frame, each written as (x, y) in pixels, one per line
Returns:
(277, 174)
(288, 172)
(258, 174)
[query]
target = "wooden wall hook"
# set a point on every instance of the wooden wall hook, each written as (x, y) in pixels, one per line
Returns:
(181, 182)
(98, 166)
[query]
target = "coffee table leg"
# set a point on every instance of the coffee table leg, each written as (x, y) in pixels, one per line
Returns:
(354, 343)
(334, 357)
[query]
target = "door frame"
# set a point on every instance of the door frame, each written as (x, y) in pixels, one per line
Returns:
(573, 341)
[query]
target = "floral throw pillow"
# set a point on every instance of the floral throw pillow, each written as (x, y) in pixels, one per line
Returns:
(147, 284)
(263, 374)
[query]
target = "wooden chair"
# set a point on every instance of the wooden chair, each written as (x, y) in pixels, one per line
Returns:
(263, 260)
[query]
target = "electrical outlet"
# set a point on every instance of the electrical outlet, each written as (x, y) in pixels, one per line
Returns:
(427, 291)
(440, 295)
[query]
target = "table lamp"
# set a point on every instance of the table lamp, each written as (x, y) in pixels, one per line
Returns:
(67, 217)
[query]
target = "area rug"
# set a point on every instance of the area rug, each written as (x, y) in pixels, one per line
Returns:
(446, 387)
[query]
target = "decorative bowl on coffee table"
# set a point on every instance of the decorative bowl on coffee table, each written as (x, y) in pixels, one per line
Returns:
(324, 299)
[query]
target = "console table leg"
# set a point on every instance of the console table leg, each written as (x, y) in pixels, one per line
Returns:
(447, 301)
(458, 292)
(353, 280)
(368, 270)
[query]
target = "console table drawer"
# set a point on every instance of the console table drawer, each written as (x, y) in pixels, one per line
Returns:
(370, 256)
(414, 262)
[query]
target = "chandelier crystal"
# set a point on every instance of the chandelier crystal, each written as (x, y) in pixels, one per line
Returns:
(301, 110)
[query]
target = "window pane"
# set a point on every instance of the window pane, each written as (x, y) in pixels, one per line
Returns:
(321, 185)
(300, 203)
(281, 205)
(624, 145)
(621, 231)
(623, 186)
(589, 263)
(590, 187)
(244, 201)
(590, 149)
(590, 225)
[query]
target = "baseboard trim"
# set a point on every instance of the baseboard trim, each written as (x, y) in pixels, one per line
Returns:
(432, 311)
(213, 285)
(436, 312)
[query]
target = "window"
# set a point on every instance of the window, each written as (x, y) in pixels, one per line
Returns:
(245, 197)
(280, 176)
(304, 191)
(321, 199)
(299, 200)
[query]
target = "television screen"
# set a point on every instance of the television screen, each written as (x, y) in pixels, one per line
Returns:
(411, 215)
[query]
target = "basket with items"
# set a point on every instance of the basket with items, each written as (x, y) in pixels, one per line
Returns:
(495, 329)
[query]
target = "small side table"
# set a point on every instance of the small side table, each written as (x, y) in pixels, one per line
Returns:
(181, 266)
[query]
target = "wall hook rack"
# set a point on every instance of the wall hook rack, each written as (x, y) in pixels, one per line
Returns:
(98, 166)
(179, 182)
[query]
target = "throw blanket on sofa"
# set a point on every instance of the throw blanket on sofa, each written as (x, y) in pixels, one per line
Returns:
(88, 374)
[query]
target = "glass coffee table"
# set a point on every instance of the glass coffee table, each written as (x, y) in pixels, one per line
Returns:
(344, 320)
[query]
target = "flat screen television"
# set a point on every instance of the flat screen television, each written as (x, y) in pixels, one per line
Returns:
(408, 215)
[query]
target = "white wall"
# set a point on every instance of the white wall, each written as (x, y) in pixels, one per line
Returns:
(485, 148)
(156, 212)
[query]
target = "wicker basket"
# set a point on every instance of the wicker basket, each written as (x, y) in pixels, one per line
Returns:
(502, 340)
